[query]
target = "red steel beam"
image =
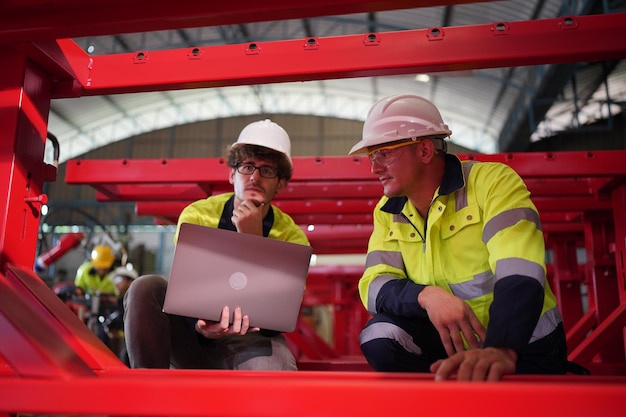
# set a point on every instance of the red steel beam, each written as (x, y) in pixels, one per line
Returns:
(580, 199)
(558, 210)
(308, 394)
(501, 44)
(571, 181)
(563, 165)
(30, 20)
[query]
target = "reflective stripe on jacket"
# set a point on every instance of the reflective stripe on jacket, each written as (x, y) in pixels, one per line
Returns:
(482, 237)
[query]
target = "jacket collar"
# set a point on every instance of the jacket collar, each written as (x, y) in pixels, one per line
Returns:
(227, 224)
(452, 181)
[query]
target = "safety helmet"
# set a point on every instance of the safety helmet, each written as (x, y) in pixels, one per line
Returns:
(125, 272)
(399, 117)
(268, 134)
(102, 257)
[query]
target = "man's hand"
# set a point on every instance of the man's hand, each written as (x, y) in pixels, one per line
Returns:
(248, 217)
(452, 317)
(219, 329)
(488, 364)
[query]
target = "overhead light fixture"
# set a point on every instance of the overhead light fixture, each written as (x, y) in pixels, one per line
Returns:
(423, 78)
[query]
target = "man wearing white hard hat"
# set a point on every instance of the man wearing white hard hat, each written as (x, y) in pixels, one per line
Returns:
(260, 166)
(455, 276)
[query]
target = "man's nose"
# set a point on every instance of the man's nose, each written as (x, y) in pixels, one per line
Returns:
(375, 167)
(254, 177)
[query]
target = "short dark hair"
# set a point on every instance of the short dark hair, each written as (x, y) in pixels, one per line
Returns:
(237, 154)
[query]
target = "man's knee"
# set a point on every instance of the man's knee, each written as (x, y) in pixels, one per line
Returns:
(272, 355)
(146, 287)
(390, 348)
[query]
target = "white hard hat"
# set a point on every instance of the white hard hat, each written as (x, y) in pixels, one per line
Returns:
(125, 272)
(399, 117)
(268, 134)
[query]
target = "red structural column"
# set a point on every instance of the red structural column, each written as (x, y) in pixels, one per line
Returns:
(619, 217)
(567, 278)
(601, 276)
(24, 107)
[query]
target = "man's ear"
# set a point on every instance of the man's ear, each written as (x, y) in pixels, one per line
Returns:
(427, 150)
(231, 176)
(282, 184)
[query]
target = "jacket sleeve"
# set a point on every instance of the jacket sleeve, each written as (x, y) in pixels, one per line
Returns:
(515, 241)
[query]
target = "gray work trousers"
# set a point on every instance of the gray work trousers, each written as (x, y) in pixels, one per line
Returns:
(155, 339)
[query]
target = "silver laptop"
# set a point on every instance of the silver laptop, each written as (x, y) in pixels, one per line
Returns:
(213, 268)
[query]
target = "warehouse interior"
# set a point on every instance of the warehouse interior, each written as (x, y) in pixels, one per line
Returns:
(118, 115)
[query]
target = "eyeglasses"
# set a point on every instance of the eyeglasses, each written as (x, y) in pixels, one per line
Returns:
(385, 155)
(264, 170)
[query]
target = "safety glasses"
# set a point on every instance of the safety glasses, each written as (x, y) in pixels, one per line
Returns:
(387, 154)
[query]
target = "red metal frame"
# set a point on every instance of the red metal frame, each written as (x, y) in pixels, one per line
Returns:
(48, 364)
(580, 196)
(579, 38)
(65, 379)
(31, 20)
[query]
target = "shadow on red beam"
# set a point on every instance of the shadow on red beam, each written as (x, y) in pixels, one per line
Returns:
(285, 394)
(158, 192)
(559, 204)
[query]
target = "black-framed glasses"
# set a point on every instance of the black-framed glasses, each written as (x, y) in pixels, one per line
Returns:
(264, 170)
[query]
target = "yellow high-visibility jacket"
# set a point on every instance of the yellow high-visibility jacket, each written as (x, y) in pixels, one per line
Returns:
(91, 283)
(216, 211)
(481, 241)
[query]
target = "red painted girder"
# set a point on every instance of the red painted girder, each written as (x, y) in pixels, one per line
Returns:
(559, 204)
(560, 173)
(557, 211)
(204, 170)
(567, 164)
(362, 206)
(349, 272)
(158, 192)
(147, 171)
(171, 209)
(349, 231)
(28, 20)
(561, 216)
(329, 218)
(601, 336)
(345, 248)
(558, 228)
(543, 192)
(587, 189)
(500, 44)
(41, 336)
(325, 189)
(189, 192)
(149, 392)
(572, 186)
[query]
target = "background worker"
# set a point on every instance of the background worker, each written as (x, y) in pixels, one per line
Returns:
(455, 273)
(93, 276)
(93, 280)
(122, 278)
(260, 166)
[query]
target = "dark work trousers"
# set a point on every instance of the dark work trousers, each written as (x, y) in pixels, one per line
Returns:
(398, 344)
(155, 339)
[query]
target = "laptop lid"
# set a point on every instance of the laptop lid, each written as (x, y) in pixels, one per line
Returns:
(213, 268)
